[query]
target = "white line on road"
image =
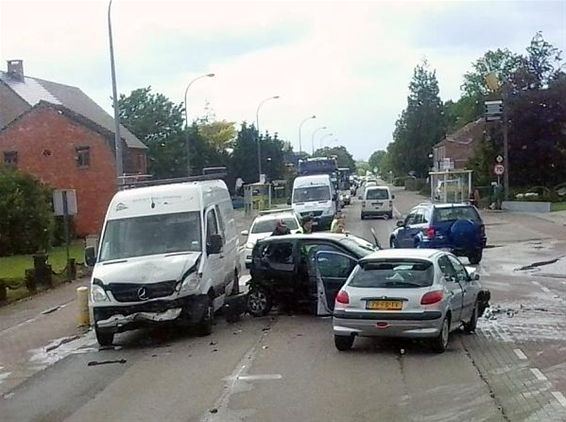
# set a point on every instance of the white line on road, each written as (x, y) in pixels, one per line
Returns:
(259, 377)
(520, 354)
(560, 397)
(539, 375)
(545, 289)
(536, 283)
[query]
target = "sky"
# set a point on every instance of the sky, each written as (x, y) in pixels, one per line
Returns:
(349, 63)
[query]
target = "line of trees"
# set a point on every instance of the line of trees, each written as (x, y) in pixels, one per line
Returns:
(159, 123)
(535, 83)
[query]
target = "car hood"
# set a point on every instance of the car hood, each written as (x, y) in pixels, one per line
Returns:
(146, 269)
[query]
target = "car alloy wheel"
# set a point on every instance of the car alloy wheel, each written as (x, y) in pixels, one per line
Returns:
(259, 302)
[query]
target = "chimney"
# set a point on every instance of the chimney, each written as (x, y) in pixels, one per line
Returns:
(16, 69)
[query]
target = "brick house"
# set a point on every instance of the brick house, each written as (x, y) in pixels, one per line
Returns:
(61, 136)
(458, 147)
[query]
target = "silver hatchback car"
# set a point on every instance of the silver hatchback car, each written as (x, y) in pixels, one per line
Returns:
(414, 293)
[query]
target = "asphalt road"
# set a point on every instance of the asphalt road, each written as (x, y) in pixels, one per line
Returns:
(276, 368)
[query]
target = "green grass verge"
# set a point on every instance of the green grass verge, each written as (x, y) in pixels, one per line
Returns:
(558, 206)
(14, 267)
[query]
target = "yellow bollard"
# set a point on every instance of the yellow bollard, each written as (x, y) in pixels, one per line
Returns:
(82, 306)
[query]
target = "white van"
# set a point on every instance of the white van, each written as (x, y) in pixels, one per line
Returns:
(377, 201)
(315, 196)
(167, 253)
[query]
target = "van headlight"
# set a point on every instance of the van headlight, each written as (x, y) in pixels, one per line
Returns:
(97, 292)
(250, 245)
(190, 282)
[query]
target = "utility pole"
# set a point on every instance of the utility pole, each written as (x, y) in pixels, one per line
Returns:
(506, 141)
(117, 138)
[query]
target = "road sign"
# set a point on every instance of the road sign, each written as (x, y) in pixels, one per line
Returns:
(499, 159)
(499, 169)
(493, 110)
(65, 202)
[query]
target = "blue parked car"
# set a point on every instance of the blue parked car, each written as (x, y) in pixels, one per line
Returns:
(454, 227)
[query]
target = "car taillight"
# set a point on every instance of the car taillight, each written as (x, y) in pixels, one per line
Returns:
(342, 297)
(363, 203)
(482, 230)
(390, 204)
(430, 232)
(432, 297)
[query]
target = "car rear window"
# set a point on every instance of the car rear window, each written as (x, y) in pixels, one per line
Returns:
(267, 226)
(400, 273)
(457, 213)
(377, 194)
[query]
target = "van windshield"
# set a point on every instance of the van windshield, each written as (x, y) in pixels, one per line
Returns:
(377, 194)
(311, 193)
(151, 235)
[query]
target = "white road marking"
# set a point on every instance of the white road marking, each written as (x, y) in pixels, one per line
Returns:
(560, 397)
(539, 375)
(536, 283)
(545, 289)
(520, 354)
(259, 377)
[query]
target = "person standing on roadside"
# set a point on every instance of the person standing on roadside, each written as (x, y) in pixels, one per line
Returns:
(338, 224)
(307, 224)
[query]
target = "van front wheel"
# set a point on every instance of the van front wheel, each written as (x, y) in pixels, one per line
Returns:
(204, 327)
(104, 338)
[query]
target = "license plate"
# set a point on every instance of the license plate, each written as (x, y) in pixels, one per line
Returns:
(384, 305)
(379, 204)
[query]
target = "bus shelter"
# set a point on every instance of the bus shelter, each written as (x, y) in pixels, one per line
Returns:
(450, 186)
(257, 197)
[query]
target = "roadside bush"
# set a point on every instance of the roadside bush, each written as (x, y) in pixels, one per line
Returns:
(26, 222)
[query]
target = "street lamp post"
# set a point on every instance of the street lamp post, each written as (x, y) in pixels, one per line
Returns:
(324, 137)
(275, 97)
(187, 142)
(300, 127)
(314, 134)
(117, 138)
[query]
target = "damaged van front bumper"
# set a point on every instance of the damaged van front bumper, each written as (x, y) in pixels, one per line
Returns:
(128, 317)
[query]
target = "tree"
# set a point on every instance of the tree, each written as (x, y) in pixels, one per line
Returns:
(376, 159)
(420, 125)
(27, 219)
(343, 156)
(159, 124)
(220, 134)
(362, 167)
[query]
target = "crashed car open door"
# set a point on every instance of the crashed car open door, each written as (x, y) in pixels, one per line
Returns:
(329, 270)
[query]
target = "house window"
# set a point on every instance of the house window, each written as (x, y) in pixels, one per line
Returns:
(83, 157)
(10, 158)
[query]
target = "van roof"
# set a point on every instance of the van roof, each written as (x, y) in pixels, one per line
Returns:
(164, 199)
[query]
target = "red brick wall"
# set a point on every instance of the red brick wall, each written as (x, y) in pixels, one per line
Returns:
(135, 161)
(45, 141)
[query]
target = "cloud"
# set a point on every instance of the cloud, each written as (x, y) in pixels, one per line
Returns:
(349, 63)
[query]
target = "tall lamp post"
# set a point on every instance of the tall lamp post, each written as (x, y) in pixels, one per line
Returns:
(324, 137)
(117, 138)
(314, 134)
(275, 97)
(187, 142)
(300, 128)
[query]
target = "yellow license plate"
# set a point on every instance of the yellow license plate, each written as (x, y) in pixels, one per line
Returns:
(384, 305)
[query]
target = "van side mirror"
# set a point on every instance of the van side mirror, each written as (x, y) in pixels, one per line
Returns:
(400, 223)
(245, 232)
(90, 256)
(392, 196)
(214, 244)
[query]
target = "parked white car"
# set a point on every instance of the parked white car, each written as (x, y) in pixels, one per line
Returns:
(264, 225)
(167, 253)
(414, 293)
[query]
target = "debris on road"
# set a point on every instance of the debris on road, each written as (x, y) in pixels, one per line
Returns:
(212, 343)
(51, 310)
(106, 362)
(538, 264)
(57, 343)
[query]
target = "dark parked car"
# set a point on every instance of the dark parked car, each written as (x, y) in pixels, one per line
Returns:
(454, 227)
(283, 270)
